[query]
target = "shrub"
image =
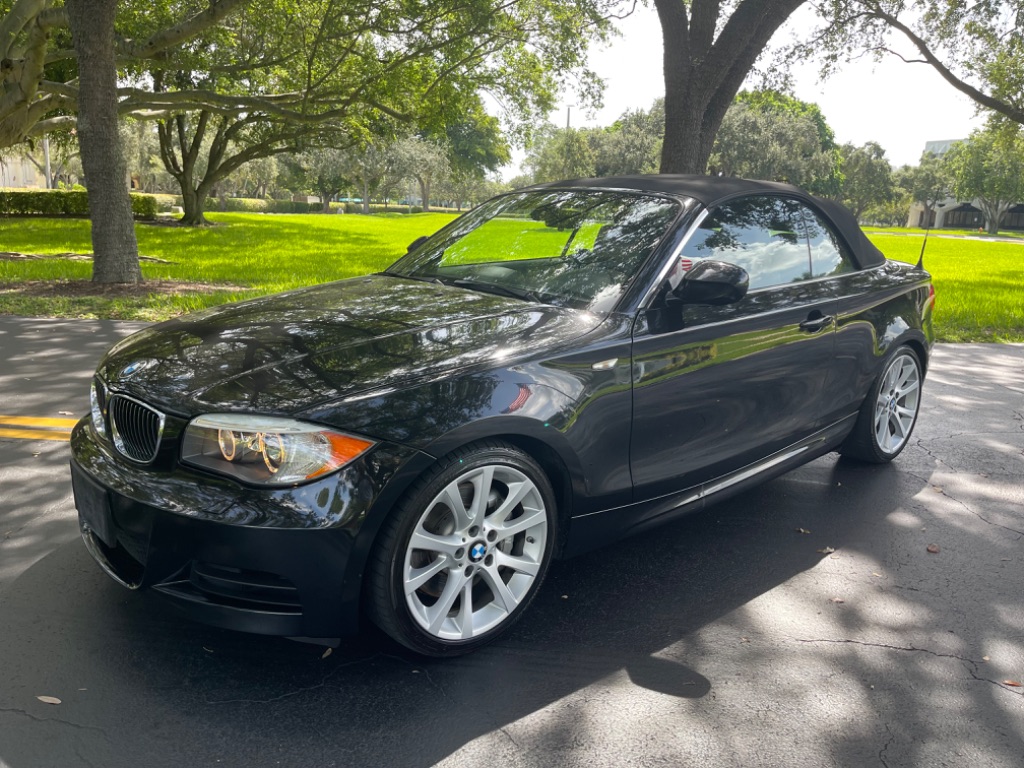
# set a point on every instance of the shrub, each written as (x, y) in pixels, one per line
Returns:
(143, 206)
(59, 202)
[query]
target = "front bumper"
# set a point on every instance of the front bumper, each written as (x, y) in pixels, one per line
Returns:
(280, 562)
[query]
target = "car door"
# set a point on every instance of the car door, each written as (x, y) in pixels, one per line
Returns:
(729, 385)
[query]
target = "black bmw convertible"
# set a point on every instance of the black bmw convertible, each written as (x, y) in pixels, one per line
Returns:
(560, 367)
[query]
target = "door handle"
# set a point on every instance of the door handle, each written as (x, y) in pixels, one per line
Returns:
(814, 324)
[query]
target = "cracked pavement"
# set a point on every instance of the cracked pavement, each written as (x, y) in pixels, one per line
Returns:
(725, 639)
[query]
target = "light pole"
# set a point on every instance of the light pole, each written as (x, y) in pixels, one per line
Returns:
(46, 154)
(568, 148)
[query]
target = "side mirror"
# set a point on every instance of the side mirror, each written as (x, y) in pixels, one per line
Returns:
(713, 282)
(417, 243)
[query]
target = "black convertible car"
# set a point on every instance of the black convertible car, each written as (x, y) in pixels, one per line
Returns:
(562, 366)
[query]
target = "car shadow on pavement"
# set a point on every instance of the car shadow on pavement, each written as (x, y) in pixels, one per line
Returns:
(703, 609)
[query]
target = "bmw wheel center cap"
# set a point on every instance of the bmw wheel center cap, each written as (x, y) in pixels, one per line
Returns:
(477, 552)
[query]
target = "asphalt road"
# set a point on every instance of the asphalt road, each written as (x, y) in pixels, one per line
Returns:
(726, 639)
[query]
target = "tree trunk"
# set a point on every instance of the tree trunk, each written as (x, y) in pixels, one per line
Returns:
(705, 64)
(366, 196)
(424, 192)
(116, 258)
(193, 204)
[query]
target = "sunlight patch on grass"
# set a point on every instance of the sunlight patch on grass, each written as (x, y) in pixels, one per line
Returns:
(979, 285)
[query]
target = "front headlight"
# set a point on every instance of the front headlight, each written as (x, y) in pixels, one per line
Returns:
(267, 450)
(98, 407)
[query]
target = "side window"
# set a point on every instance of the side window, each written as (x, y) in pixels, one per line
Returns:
(828, 255)
(764, 235)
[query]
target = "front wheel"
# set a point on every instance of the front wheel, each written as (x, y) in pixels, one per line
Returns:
(465, 551)
(889, 412)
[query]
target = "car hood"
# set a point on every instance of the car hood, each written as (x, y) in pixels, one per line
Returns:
(292, 351)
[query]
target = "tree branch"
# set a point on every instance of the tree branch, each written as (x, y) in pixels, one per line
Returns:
(1014, 113)
(179, 33)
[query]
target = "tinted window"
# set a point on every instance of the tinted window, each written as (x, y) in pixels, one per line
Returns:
(764, 235)
(828, 256)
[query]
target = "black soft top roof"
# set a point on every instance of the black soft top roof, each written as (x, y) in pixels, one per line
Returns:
(712, 190)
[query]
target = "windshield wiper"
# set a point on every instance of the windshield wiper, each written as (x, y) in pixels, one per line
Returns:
(503, 290)
(421, 278)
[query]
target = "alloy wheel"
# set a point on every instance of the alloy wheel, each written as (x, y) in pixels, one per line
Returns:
(475, 552)
(896, 407)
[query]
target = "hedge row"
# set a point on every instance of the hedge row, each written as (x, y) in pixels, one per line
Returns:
(57, 202)
(269, 205)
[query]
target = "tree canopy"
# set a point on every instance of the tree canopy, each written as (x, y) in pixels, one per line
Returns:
(989, 168)
(769, 135)
(977, 46)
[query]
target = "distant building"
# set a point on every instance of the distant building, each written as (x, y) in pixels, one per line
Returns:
(951, 213)
(20, 173)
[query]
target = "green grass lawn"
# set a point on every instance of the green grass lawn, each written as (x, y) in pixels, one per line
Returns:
(980, 284)
(253, 254)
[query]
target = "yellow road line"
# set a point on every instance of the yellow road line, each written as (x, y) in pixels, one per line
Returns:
(36, 428)
(37, 422)
(32, 434)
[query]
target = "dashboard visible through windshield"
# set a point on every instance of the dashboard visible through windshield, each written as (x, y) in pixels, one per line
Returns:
(576, 248)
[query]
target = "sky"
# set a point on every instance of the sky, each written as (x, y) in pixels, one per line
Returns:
(898, 105)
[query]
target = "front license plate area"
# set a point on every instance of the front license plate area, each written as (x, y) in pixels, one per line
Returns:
(93, 505)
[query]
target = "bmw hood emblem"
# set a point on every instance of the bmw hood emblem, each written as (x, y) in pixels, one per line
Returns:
(132, 368)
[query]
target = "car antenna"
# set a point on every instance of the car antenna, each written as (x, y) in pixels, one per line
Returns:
(927, 229)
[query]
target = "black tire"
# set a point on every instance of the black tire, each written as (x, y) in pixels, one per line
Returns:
(889, 412)
(457, 604)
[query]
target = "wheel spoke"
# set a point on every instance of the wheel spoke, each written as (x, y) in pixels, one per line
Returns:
(438, 612)
(907, 373)
(500, 589)
(516, 563)
(909, 389)
(466, 610)
(530, 518)
(882, 430)
(417, 577)
(516, 493)
(451, 497)
(482, 483)
(433, 542)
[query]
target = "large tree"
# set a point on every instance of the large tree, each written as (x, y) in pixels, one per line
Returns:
(425, 161)
(353, 67)
(632, 144)
(710, 47)
(769, 135)
(560, 153)
(47, 78)
(927, 183)
(989, 168)
(867, 177)
(110, 208)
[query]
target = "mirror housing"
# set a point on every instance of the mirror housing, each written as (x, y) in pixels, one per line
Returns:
(713, 282)
(417, 243)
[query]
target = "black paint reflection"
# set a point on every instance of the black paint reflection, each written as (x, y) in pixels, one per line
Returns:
(291, 352)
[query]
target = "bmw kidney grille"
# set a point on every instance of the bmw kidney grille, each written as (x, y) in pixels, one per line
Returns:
(136, 428)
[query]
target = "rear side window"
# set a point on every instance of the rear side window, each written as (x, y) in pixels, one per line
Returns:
(778, 240)
(828, 255)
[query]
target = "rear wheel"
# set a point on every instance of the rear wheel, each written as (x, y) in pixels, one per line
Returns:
(465, 551)
(889, 412)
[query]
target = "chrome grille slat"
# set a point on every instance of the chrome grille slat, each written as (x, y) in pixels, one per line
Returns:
(136, 427)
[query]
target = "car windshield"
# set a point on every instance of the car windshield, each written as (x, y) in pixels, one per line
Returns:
(575, 248)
